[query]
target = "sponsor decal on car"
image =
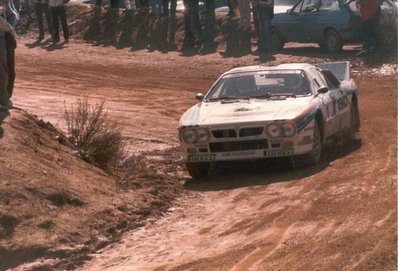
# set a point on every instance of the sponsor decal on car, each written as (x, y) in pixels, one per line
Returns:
(305, 141)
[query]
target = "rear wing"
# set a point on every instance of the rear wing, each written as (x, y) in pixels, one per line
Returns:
(341, 70)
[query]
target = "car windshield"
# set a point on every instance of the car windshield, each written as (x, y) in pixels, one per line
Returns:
(260, 85)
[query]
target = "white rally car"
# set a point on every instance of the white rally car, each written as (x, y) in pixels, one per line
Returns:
(257, 112)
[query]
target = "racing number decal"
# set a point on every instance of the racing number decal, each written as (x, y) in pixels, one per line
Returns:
(342, 103)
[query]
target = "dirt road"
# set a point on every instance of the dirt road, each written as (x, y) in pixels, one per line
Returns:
(338, 215)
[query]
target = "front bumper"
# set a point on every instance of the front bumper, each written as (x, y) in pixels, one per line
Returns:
(249, 147)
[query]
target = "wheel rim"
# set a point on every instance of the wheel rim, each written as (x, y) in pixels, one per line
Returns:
(332, 42)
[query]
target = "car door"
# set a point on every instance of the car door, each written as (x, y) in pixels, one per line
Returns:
(305, 18)
(331, 103)
(339, 106)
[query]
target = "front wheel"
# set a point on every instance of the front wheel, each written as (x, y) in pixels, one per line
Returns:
(314, 155)
(354, 125)
(333, 42)
(198, 170)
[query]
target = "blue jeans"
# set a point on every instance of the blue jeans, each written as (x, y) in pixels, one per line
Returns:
(264, 26)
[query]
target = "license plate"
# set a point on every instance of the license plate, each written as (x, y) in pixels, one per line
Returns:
(202, 157)
(278, 153)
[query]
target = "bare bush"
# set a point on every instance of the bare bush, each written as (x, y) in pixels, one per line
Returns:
(97, 138)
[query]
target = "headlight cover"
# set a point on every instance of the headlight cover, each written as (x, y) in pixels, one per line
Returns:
(202, 135)
(288, 129)
(191, 135)
(283, 129)
(188, 136)
(273, 130)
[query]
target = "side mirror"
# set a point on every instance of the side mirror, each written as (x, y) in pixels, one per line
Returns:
(200, 96)
(323, 90)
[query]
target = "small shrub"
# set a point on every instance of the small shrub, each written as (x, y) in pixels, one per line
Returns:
(97, 138)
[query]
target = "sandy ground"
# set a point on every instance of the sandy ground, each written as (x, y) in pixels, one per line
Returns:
(338, 215)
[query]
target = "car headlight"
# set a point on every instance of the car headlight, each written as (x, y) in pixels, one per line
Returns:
(273, 130)
(191, 136)
(285, 129)
(188, 136)
(288, 129)
(202, 135)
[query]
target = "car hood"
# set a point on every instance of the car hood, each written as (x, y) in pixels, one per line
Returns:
(211, 113)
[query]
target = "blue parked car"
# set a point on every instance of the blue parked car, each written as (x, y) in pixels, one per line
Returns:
(329, 23)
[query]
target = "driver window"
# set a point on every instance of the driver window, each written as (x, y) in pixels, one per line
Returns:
(310, 5)
(329, 5)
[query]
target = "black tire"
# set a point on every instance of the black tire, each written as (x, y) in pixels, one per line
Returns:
(354, 125)
(314, 155)
(333, 42)
(198, 170)
(277, 41)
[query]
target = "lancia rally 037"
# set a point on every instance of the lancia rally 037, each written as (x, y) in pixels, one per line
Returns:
(258, 112)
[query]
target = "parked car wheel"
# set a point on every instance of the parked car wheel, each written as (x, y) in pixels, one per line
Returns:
(198, 170)
(333, 42)
(277, 41)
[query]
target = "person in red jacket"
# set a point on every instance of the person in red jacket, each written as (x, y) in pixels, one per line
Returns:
(368, 11)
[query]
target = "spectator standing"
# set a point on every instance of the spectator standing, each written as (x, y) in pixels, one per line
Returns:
(4, 28)
(209, 27)
(58, 13)
(173, 7)
(191, 13)
(27, 8)
(8, 19)
(12, 18)
(41, 6)
(130, 5)
(369, 11)
(156, 7)
(244, 26)
(265, 13)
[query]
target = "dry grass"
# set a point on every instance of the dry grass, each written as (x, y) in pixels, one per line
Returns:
(97, 138)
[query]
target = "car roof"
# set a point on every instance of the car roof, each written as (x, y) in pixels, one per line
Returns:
(254, 68)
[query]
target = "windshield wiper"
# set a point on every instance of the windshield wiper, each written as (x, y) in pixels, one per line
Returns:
(269, 95)
(229, 98)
